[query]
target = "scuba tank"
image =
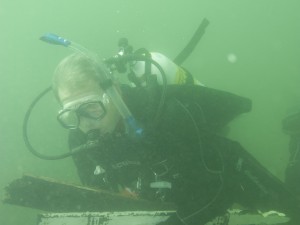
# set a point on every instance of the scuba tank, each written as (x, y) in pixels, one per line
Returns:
(174, 73)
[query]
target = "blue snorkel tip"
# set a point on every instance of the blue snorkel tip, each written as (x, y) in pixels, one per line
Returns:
(55, 39)
(138, 131)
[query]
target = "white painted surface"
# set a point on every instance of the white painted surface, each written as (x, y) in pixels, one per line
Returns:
(105, 218)
(152, 218)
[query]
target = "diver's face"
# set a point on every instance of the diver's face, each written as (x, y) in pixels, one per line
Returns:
(88, 108)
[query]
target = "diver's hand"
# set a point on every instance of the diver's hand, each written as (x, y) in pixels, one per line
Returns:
(126, 192)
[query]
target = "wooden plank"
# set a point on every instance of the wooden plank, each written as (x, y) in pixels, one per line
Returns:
(54, 196)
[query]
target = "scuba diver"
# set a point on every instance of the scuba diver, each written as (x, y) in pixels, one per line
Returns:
(176, 155)
(159, 137)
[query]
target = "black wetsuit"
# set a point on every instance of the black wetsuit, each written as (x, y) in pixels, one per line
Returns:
(207, 172)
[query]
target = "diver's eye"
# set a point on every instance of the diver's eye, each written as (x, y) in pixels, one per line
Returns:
(68, 119)
(94, 110)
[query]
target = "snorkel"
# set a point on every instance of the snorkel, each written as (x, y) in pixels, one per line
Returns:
(105, 77)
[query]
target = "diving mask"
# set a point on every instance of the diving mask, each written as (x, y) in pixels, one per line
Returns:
(91, 107)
